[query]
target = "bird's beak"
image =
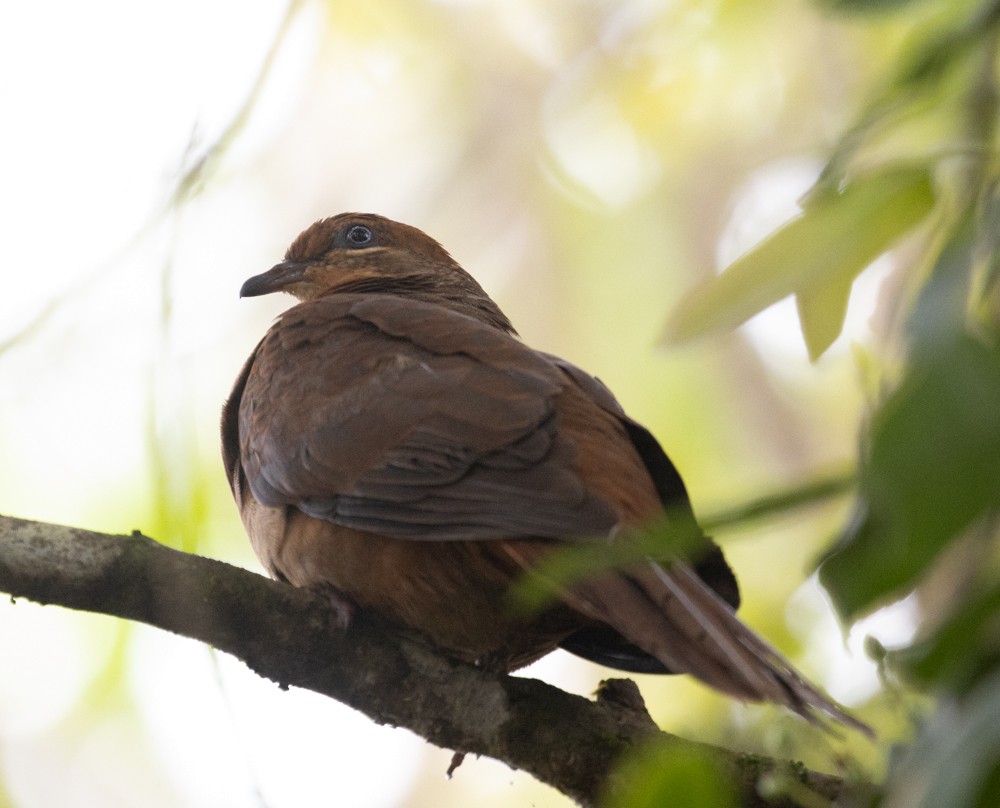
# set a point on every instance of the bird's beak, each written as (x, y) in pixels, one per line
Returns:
(275, 279)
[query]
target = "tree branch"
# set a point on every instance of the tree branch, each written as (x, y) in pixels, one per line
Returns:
(290, 636)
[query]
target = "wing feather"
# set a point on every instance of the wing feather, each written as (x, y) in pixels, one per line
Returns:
(362, 411)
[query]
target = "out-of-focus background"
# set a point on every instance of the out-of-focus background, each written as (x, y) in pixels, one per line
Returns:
(589, 162)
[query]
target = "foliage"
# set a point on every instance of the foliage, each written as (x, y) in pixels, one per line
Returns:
(816, 257)
(662, 774)
(925, 519)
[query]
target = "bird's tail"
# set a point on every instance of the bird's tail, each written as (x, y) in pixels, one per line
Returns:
(671, 614)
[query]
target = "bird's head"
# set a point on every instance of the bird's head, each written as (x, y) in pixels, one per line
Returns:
(362, 253)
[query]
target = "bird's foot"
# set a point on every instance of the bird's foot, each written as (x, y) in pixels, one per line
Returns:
(343, 607)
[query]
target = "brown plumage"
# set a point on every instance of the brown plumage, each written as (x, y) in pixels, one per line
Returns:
(392, 440)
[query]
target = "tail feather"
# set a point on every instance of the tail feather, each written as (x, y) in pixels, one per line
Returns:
(671, 636)
(670, 613)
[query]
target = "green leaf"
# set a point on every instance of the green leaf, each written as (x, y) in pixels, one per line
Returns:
(940, 310)
(807, 492)
(961, 650)
(866, 6)
(933, 468)
(955, 761)
(666, 774)
(817, 254)
(822, 310)
(674, 536)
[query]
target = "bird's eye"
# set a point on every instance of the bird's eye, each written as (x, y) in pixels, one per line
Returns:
(359, 236)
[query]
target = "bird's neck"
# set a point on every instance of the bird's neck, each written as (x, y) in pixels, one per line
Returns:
(466, 297)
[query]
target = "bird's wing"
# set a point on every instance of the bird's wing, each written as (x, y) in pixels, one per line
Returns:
(403, 418)
(706, 557)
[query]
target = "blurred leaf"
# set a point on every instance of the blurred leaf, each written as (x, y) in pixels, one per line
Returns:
(988, 250)
(933, 467)
(782, 788)
(822, 310)
(867, 6)
(807, 493)
(818, 254)
(664, 774)
(955, 761)
(675, 536)
(939, 313)
(961, 650)
(930, 58)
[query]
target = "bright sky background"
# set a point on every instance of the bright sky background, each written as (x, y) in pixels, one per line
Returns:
(104, 105)
(107, 97)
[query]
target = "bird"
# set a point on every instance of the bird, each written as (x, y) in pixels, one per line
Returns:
(393, 442)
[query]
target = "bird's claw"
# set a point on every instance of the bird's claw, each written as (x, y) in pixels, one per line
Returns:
(343, 607)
